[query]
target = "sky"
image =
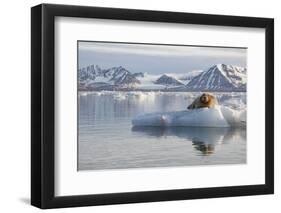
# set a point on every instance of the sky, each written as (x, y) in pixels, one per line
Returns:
(157, 59)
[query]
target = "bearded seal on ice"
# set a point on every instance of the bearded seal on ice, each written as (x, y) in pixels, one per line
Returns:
(205, 100)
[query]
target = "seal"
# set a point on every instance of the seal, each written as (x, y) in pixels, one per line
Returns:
(205, 100)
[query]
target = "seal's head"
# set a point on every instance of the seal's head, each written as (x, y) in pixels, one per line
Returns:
(205, 98)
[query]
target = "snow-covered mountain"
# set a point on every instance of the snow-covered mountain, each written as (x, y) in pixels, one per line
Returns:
(220, 77)
(168, 81)
(93, 77)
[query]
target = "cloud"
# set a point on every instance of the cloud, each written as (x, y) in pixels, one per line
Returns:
(162, 50)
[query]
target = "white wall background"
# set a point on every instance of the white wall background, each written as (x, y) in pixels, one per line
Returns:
(15, 105)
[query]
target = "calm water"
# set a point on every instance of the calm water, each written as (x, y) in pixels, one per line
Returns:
(107, 139)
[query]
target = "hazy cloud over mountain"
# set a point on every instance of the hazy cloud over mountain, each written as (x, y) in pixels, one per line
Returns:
(158, 59)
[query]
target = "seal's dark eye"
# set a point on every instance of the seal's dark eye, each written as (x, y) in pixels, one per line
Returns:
(204, 99)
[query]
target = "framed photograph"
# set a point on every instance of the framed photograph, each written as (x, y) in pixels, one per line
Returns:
(139, 106)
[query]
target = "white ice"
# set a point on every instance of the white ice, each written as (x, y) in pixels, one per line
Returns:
(220, 116)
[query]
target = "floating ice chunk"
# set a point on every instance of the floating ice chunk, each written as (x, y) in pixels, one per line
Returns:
(83, 93)
(119, 96)
(203, 117)
(234, 117)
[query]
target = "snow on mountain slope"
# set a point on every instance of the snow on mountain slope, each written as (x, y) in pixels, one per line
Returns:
(95, 77)
(168, 80)
(220, 77)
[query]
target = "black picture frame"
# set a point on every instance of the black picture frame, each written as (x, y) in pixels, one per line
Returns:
(43, 105)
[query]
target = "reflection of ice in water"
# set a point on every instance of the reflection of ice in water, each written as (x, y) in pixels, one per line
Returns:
(204, 139)
(106, 140)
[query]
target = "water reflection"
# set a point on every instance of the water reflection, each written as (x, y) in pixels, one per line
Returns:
(106, 140)
(204, 139)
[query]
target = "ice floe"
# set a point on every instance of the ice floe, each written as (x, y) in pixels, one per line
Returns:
(219, 116)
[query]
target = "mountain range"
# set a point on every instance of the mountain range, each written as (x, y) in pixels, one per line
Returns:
(220, 77)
